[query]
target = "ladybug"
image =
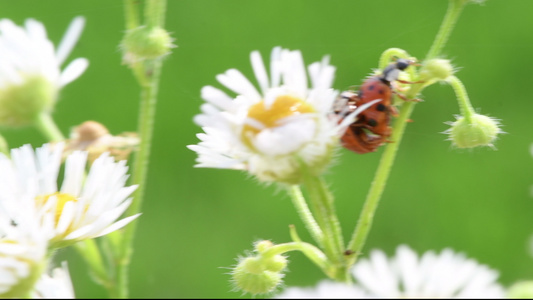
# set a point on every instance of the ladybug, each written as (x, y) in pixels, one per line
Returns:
(371, 129)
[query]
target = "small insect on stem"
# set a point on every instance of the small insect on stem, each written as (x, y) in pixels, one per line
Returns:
(372, 127)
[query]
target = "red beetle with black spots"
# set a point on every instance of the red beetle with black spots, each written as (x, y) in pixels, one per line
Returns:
(371, 129)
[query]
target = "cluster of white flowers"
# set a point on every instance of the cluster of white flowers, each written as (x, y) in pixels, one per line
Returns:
(444, 275)
(37, 217)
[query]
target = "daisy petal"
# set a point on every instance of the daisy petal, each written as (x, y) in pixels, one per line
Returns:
(70, 39)
(73, 71)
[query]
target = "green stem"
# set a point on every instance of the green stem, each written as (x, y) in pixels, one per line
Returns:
(331, 217)
(378, 185)
(89, 251)
(324, 210)
(312, 252)
(155, 12)
(366, 217)
(132, 18)
(46, 125)
(452, 15)
(305, 214)
(467, 111)
(147, 75)
(140, 169)
(131, 14)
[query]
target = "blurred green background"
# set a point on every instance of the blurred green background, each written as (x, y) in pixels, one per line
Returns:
(196, 222)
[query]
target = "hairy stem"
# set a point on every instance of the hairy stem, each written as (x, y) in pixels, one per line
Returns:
(366, 218)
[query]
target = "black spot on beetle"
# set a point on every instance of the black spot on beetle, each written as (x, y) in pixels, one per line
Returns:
(372, 122)
(381, 107)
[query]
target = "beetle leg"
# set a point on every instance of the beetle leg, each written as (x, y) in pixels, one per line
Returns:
(402, 96)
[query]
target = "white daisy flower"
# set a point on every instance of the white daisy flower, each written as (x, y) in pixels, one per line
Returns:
(444, 275)
(85, 206)
(30, 74)
(270, 131)
(325, 289)
(55, 286)
(23, 246)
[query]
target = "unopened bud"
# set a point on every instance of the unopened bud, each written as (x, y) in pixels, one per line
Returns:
(478, 130)
(436, 69)
(262, 273)
(252, 277)
(146, 43)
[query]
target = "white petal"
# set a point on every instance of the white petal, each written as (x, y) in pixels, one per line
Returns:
(321, 74)
(235, 81)
(73, 71)
(36, 29)
(275, 67)
(74, 173)
(408, 270)
(8, 278)
(67, 215)
(118, 225)
(259, 71)
(285, 139)
(216, 97)
(70, 39)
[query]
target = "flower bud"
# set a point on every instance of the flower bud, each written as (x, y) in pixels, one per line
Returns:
(252, 277)
(20, 105)
(436, 69)
(262, 246)
(274, 263)
(478, 130)
(146, 43)
(262, 273)
(521, 290)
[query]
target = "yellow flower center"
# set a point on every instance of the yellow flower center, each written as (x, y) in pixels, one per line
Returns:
(283, 107)
(62, 199)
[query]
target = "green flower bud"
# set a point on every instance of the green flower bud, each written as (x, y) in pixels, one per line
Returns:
(436, 69)
(262, 246)
(146, 43)
(478, 130)
(20, 105)
(521, 290)
(277, 264)
(252, 276)
(262, 273)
